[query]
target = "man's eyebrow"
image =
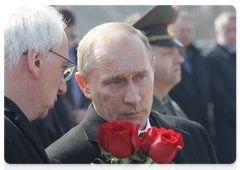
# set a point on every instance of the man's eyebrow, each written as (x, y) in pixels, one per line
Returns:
(121, 76)
(112, 78)
(141, 72)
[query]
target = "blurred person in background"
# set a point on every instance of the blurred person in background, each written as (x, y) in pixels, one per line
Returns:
(221, 63)
(74, 99)
(192, 92)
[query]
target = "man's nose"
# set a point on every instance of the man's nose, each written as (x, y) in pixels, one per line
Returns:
(131, 96)
(179, 58)
(62, 87)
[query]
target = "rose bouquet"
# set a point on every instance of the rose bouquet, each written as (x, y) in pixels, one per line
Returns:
(120, 144)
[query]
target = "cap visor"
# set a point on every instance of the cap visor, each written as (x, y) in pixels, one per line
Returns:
(168, 43)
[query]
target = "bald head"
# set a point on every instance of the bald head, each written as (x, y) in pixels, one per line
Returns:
(104, 35)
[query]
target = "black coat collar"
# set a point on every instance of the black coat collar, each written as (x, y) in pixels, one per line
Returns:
(92, 121)
(222, 52)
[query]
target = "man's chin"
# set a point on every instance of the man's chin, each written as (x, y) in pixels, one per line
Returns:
(141, 122)
(43, 115)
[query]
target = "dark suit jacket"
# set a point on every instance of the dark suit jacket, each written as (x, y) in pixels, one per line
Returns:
(192, 93)
(21, 143)
(222, 75)
(80, 144)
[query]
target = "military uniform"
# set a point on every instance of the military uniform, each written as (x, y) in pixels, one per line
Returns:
(157, 24)
(167, 107)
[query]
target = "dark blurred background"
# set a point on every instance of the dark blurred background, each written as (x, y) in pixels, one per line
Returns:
(88, 17)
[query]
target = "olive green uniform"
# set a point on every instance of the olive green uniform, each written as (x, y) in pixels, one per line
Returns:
(167, 107)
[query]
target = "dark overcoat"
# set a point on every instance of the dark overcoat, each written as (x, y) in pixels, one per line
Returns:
(192, 93)
(222, 75)
(21, 143)
(80, 144)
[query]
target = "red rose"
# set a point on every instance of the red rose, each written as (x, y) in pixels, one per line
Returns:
(119, 138)
(161, 145)
(147, 139)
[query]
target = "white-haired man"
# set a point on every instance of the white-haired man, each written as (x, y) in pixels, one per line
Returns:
(36, 66)
(221, 63)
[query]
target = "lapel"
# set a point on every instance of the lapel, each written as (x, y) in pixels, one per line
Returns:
(229, 60)
(91, 123)
(222, 52)
(187, 154)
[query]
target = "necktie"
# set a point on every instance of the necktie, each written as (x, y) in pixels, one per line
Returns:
(142, 134)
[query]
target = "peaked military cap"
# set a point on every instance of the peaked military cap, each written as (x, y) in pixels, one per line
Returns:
(157, 23)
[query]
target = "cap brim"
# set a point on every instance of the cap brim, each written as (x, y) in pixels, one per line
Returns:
(168, 43)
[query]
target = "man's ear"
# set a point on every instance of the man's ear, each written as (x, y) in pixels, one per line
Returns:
(83, 85)
(154, 63)
(34, 62)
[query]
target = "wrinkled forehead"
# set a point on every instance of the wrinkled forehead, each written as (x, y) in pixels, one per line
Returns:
(120, 45)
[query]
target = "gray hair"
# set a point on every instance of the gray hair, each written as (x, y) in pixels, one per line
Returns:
(221, 17)
(31, 27)
(102, 34)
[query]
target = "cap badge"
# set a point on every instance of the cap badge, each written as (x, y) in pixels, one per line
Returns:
(170, 30)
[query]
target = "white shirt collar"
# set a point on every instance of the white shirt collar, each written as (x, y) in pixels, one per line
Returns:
(147, 127)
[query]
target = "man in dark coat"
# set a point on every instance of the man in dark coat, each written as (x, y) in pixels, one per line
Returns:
(192, 92)
(80, 145)
(221, 62)
(116, 67)
(35, 71)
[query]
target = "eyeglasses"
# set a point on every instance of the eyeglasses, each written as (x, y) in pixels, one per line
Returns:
(68, 71)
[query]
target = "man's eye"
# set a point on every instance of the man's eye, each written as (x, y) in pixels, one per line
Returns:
(115, 83)
(142, 77)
